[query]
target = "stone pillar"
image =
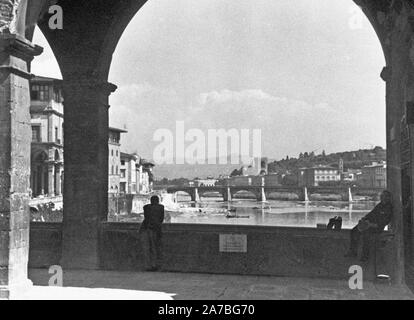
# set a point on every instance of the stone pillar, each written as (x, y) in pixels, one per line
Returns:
(51, 178)
(58, 172)
(350, 197)
(395, 100)
(305, 196)
(15, 139)
(196, 195)
(42, 179)
(85, 191)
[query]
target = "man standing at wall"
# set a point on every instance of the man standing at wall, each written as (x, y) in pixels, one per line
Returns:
(151, 234)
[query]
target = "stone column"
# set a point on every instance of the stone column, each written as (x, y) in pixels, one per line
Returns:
(85, 191)
(51, 178)
(58, 172)
(395, 101)
(15, 139)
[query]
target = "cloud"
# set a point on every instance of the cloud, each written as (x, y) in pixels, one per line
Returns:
(226, 95)
(288, 126)
(141, 91)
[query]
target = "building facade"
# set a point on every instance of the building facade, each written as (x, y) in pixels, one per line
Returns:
(208, 182)
(47, 120)
(269, 180)
(373, 176)
(114, 160)
(135, 174)
(317, 176)
(128, 174)
(146, 176)
(46, 111)
(351, 175)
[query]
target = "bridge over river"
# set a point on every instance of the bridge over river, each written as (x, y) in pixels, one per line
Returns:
(262, 192)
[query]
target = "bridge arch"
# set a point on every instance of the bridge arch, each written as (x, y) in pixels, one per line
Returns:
(254, 194)
(185, 192)
(203, 191)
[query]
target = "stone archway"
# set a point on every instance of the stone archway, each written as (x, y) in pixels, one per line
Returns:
(84, 55)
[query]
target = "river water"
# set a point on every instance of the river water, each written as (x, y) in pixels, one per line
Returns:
(270, 213)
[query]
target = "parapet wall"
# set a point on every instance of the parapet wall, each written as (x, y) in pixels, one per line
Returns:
(276, 251)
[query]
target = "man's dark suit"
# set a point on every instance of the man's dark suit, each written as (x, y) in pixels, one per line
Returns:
(151, 234)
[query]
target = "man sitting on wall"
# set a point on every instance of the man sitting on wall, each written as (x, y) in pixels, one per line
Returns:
(373, 223)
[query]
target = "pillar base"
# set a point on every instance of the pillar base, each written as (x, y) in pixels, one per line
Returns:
(15, 291)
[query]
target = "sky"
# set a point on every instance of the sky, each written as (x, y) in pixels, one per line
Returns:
(305, 72)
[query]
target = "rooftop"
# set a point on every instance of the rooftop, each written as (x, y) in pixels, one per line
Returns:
(319, 168)
(376, 165)
(45, 79)
(113, 129)
(125, 155)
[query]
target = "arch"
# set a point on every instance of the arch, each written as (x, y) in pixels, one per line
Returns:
(37, 66)
(57, 155)
(35, 12)
(186, 192)
(40, 156)
(220, 193)
(39, 173)
(253, 193)
(112, 17)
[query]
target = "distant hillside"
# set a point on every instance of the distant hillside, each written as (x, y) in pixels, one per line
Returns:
(192, 171)
(352, 160)
(188, 171)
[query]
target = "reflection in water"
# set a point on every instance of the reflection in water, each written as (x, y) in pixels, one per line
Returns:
(271, 213)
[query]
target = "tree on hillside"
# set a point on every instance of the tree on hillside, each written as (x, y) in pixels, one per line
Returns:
(236, 172)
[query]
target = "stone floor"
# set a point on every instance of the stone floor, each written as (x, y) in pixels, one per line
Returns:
(163, 286)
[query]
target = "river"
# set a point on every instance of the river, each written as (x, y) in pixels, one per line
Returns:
(271, 213)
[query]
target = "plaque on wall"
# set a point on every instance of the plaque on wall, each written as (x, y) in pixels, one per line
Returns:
(233, 242)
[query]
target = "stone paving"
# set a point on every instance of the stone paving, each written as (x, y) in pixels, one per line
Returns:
(85, 285)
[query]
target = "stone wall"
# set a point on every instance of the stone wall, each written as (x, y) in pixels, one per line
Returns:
(277, 251)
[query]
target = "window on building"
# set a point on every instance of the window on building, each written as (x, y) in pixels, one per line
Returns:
(114, 137)
(40, 92)
(112, 170)
(116, 152)
(112, 152)
(36, 134)
(123, 173)
(116, 170)
(57, 95)
(122, 162)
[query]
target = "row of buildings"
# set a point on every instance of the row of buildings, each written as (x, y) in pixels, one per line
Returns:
(128, 173)
(370, 176)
